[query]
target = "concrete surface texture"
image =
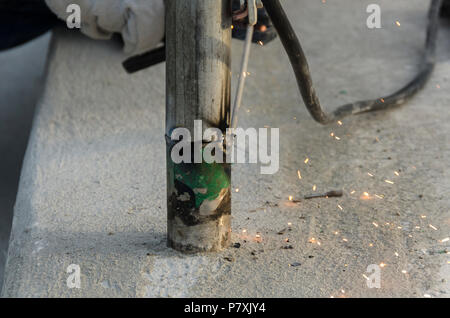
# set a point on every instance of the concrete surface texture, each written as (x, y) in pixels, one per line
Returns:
(92, 190)
(21, 75)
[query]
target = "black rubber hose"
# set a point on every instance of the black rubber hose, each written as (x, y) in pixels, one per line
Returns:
(139, 62)
(301, 69)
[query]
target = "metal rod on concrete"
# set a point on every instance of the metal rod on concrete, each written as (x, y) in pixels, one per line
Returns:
(242, 76)
(198, 39)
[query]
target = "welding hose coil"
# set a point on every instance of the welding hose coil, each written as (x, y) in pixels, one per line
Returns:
(299, 63)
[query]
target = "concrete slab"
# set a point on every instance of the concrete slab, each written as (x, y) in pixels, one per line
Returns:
(92, 190)
(21, 76)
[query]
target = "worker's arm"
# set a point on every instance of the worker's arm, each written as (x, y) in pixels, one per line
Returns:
(23, 20)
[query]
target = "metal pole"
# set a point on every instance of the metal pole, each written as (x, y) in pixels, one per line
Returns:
(198, 39)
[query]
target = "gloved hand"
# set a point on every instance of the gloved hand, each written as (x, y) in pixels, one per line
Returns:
(140, 22)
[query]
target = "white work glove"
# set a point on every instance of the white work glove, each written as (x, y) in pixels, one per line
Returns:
(140, 22)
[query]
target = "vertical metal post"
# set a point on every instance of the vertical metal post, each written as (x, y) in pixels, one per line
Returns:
(198, 39)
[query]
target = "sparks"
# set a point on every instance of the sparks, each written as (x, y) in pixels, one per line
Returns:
(389, 181)
(299, 174)
(375, 224)
(404, 272)
(237, 190)
(314, 241)
(340, 208)
(314, 188)
(340, 123)
(379, 196)
(306, 160)
(433, 227)
(396, 173)
(369, 174)
(445, 240)
(382, 265)
(397, 23)
(291, 198)
(396, 254)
